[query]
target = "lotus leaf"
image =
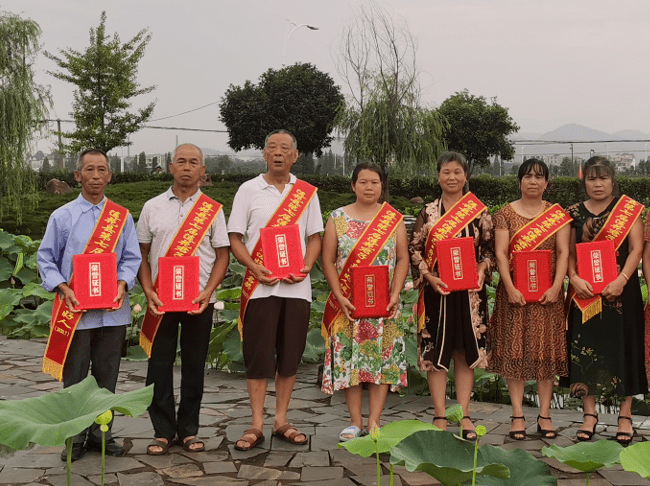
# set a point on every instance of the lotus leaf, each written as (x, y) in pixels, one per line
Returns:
(443, 456)
(49, 419)
(525, 469)
(389, 436)
(586, 456)
(33, 288)
(636, 458)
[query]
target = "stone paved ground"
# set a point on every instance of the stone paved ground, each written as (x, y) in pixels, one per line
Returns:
(226, 414)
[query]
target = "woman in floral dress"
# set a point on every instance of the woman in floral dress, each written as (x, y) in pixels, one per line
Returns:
(360, 351)
(606, 351)
(456, 322)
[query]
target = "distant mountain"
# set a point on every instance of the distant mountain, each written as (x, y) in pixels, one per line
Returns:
(632, 135)
(574, 131)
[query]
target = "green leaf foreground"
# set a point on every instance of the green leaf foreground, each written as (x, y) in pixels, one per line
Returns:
(49, 419)
(586, 456)
(636, 458)
(450, 460)
(389, 436)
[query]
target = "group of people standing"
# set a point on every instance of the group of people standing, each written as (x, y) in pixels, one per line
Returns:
(600, 354)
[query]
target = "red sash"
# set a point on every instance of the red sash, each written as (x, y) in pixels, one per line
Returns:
(289, 211)
(618, 225)
(363, 253)
(187, 240)
(539, 229)
(103, 239)
(448, 226)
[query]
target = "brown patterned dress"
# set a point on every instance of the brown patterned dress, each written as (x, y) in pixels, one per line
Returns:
(458, 320)
(526, 342)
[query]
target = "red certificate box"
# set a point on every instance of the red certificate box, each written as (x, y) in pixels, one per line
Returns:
(282, 251)
(597, 263)
(532, 272)
(95, 280)
(457, 263)
(370, 294)
(178, 283)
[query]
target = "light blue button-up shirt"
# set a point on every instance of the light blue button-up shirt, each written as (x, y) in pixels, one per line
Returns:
(67, 234)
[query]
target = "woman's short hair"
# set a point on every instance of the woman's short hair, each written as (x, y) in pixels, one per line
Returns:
(367, 166)
(452, 157)
(598, 166)
(533, 165)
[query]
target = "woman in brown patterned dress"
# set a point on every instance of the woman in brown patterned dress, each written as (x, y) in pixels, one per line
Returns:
(456, 322)
(527, 340)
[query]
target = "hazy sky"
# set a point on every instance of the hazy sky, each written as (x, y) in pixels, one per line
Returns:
(551, 62)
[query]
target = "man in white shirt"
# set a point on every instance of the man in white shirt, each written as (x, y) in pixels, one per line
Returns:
(277, 314)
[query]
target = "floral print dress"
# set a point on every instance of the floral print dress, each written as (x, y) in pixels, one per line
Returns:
(606, 353)
(366, 350)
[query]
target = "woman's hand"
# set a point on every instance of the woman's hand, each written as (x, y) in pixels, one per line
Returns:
(482, 268)
(614, 289)
(393, 306)
(346, 307)
(583, 289)
(550, 296)
(437, 284)
(515, 297)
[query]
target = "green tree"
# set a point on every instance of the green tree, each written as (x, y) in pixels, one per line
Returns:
(46, 167)
(304, 164)
(478, 129)
(115, 163)
(298, 98)
(384, 119)
(566, 167)
(142, 162)
(23, 107)
(105, 80)
(168, 160)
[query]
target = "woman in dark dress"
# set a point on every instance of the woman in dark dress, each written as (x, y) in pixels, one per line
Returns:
(456, 322)
(606, 351)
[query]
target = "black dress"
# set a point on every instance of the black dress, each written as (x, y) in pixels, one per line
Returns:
(606, 353)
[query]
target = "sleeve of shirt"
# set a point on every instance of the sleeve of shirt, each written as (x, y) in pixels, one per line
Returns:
(143, 229)
(314, 217)
(237, 222)
(49, 255)
(219, 237)
(130, 259)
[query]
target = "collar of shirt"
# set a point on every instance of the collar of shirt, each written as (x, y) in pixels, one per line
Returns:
(265, 185)
(170, 195)
(85, 205)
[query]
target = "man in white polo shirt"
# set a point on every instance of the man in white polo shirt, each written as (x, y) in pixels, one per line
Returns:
(178, 212)
(275, 315)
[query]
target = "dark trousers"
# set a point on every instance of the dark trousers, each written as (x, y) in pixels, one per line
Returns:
(195, 338)
(103, 347)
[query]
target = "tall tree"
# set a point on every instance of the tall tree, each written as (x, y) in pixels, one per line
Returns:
(298, 98)
(23, 107)
(46, 167)
(142, 163)
(105, 77)
(384, 119)
(478, 129)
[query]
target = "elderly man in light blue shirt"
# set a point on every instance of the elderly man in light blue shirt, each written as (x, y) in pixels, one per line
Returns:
(99, 336)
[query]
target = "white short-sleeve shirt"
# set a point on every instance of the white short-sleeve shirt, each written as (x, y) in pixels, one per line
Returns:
(254, 204)
(160, 219)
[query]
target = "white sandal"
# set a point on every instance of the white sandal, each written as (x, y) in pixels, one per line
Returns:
(352, 430)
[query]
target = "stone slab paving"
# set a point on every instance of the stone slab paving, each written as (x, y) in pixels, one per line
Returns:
(226, 414)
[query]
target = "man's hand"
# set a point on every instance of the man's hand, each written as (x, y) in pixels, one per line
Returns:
(294, 279)
(260, 272)
(153, 302)
(203, 299)
(121, 294)
(67, 294)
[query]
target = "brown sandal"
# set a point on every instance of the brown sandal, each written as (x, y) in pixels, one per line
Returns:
(159, 443)
(280, 433)
(186, 443)
(259, 438)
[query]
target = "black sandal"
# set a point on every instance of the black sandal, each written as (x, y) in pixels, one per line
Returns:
(439, 418)
(514, 433)
(624, 438)
(588, 433)
(546, 433)
(466, 433)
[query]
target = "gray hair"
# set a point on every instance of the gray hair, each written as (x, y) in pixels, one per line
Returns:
(281, 130)
(91, 151)
(187, 145)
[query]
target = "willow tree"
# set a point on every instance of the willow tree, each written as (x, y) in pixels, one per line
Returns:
(384, 118)
(23, 108)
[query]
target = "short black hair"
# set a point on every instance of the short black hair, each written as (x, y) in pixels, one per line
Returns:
(91, 151)
(598, 166)
(533, 165)
(367, 166)
(452, 157)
